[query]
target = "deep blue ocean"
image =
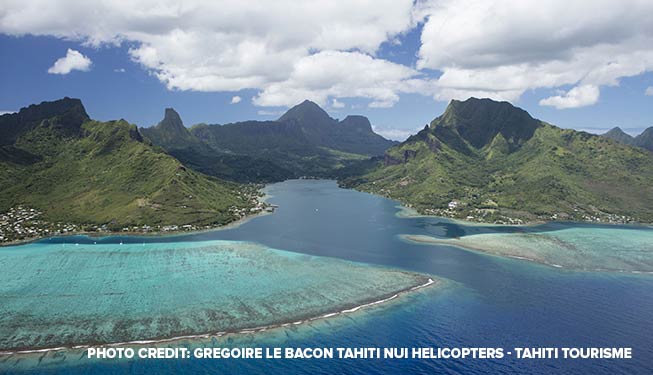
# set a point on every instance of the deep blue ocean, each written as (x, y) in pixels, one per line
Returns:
(488, 302)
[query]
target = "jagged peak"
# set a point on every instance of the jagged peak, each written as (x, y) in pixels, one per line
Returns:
(65, 114)
(171, 118)
(171, 122)
(478, 121)
(47, 109)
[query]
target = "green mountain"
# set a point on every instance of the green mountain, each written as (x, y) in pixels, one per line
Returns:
(490, 161)
(54, 158)
(643, 140)
(620, 136)
(305, 140)
(171, 135)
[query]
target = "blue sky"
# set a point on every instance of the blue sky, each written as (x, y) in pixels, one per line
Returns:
(400, 69)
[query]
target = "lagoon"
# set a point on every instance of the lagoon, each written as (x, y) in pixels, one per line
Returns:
(486, 300)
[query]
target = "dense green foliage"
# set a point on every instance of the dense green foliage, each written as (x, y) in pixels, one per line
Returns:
(83, 171)
(496, 161)
(176, 140)
(303, 142)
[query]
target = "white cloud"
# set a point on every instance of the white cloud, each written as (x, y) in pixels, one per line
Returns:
(119, 70)
(341, 74)
(395, 133)
(220, 45)
(236, 99)
(73, 60)
(6, 112)
(649, 91)
(490, 48)
(578, 96)
(501, 48)
(337, 104)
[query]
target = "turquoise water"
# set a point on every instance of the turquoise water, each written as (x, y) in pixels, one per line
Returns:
(66, 295)
(585, 248)
(488, 300)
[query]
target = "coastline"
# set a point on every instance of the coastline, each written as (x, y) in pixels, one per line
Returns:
(344, 309)
(427, 240)
(405, 211)
(230, 225)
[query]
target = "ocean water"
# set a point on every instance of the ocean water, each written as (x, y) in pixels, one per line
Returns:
(58, 295)
(488, 300)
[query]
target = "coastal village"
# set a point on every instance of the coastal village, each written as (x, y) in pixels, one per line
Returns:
(22, 223)
(457, 209)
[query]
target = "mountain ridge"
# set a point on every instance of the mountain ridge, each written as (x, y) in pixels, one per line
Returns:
(505, 166)
(78, 170)
(304, 141)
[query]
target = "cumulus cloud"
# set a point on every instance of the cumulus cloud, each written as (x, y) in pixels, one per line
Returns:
(325, 49)
(649, 91)
(501, 48)
(220, 45)
(236, 99)
(73, 60)
(340, 74)
(578, 96)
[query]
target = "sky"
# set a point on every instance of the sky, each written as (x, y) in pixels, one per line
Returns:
(586, 65)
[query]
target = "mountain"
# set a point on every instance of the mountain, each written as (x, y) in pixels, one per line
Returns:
(490, 161)
(171, 135)
(56, 159)
(620, 136)
(643, 140)
(305, 140)
(354, 134)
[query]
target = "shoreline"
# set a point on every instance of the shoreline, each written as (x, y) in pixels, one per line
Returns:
(427, 240)
(409, 212)
(343, 310)
(230, 225)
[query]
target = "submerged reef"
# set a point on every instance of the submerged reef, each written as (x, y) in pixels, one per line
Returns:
(66, 295)
(582, 248)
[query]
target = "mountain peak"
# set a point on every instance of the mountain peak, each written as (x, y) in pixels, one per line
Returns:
(307, 112)
(619, 135)
(67, 113)
(171, 133)
(357, 122)
(645, 139)
(58, 107)
(478, 121)
(172, 124)
(171, 120)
